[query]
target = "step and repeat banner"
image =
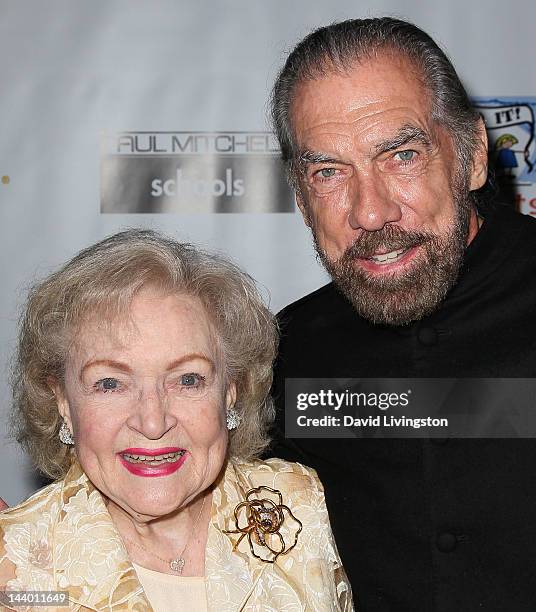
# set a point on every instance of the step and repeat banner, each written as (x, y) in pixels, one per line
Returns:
(124, 113)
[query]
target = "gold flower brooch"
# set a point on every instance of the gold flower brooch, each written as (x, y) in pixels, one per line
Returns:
(262, 520)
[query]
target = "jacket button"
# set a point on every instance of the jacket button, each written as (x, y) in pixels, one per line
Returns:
(439, 441)
(427, 336)
(446, 542)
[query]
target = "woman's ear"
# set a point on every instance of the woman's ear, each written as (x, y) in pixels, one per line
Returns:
(230, 396)
(61, 401)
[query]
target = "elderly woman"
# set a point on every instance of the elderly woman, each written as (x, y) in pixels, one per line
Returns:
(141, 384)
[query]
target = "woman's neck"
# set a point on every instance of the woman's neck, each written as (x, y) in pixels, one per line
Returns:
(175, 541)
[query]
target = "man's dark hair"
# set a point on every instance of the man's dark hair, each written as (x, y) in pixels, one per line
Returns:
(339, 46)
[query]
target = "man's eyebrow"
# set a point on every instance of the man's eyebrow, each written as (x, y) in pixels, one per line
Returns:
(405, 135)
(316, 157)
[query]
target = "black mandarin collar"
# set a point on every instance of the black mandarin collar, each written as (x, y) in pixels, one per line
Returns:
(488, 251)
(489, 248)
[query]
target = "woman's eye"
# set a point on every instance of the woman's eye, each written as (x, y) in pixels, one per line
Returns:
(107, 385)
(406, 156)
(191, 380)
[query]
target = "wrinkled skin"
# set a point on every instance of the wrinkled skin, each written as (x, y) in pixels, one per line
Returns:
(378, 175)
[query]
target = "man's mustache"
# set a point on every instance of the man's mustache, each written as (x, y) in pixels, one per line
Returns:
(389, 238)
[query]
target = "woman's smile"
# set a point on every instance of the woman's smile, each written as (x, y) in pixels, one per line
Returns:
(153, 462)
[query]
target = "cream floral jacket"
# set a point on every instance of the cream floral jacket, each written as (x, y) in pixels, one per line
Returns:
(62, 538)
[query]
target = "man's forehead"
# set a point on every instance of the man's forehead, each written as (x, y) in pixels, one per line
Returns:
(373, 91)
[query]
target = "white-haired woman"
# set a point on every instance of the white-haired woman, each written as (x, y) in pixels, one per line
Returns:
(141, 384)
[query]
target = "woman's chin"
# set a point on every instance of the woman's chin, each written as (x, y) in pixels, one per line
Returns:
(145, 510)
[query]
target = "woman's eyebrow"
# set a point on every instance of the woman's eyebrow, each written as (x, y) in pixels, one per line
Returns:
(123, 367)
(189, 357)
(110, 363)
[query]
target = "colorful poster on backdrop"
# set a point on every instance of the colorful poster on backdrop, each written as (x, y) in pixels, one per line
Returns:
(512, 147)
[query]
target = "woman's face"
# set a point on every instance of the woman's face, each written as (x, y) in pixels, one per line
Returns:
(143, 387)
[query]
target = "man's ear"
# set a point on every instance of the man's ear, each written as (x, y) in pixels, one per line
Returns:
(303, 207)
(479, 164)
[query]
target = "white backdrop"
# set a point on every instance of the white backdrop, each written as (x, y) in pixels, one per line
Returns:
(72, 70)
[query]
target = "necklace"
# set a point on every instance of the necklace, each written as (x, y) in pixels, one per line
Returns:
(176, 564)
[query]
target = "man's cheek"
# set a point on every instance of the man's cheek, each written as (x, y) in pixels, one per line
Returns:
(326, 192)
(328, 213)
(414, 204)
(420, 204)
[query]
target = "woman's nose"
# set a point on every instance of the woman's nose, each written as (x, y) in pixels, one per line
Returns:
(150, 415)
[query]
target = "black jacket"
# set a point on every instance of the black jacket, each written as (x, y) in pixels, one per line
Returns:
(429, 525)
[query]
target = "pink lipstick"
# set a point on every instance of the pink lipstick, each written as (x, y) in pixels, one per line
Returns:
(151, 462)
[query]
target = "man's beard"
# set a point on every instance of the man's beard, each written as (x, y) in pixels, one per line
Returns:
(400, 298)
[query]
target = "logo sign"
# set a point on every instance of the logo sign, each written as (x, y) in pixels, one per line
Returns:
(193, 172)
(410, 407)
(510, 123)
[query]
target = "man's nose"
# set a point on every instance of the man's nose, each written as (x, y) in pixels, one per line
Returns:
(151, 415)
(372, 205)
